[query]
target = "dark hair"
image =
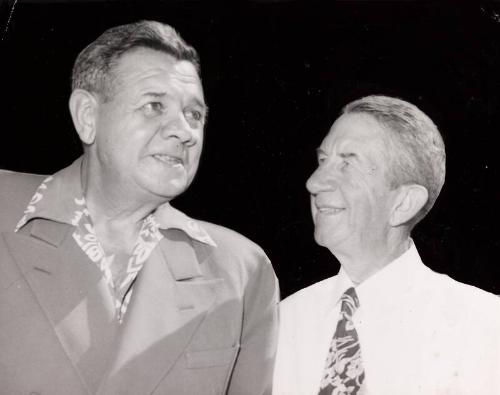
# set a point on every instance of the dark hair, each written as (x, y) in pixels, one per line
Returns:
(93, 68)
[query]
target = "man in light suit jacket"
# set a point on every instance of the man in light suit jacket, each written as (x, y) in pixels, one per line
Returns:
(385, 324)
(104, 287)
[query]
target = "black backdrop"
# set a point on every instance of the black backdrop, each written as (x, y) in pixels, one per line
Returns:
(276, 73)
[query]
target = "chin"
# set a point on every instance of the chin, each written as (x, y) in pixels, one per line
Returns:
(326, 238)
(319, 237)
(169, 188)
(171, 193)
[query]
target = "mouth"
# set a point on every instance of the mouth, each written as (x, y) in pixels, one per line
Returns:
(330, 210)
(173, 161)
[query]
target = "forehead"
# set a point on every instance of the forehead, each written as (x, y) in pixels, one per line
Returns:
(145, 68)
(357, 129)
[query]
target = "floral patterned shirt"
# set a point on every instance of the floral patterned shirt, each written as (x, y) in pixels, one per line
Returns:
(60, 198)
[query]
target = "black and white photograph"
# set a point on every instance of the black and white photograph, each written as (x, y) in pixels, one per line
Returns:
(280, 197)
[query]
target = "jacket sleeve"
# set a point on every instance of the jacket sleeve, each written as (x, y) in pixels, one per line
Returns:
(253, 370)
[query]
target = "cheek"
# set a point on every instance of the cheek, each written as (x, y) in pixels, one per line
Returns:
(200, 134)
(194, 155)
(364, 204)
(376, 208)
(195, 151)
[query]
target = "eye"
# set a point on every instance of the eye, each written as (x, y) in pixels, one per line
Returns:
(321, 159)
(194, 115)
(346, 160)
(153, 108)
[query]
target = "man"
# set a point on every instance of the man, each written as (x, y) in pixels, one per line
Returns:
(104, 287)
(385, 324)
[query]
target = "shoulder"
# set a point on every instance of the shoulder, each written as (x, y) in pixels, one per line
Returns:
(463, 294)
(16, 190)
(466, 303)
(238, 258)
(15, 184)
(232, 243)
(18, 180)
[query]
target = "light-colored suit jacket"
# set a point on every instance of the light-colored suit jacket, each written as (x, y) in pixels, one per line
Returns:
(202, 319)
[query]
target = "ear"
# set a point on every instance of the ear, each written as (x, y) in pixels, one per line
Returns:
(409, 201)
(83, 107)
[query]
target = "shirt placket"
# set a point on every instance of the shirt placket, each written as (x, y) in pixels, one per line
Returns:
(121, 288)
(148, 238)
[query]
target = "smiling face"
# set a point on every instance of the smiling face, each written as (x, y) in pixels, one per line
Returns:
(351, 199)
(149, 134)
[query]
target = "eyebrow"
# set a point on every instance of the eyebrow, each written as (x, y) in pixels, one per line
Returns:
(155, 94)
(319, 151)
(345, 155)
(160, 95)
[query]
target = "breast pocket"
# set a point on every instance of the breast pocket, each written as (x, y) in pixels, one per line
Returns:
(211, 358)
(212, 369)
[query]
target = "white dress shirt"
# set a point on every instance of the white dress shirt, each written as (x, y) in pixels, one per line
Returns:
(420, 333)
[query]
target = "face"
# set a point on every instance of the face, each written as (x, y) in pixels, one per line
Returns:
(149, 134)
(350, 195)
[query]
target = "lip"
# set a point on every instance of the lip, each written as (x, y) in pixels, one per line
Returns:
(329, 210)
(325, 207)
(171, 159)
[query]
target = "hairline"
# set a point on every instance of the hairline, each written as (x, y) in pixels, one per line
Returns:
(417, 120)
(112, 78)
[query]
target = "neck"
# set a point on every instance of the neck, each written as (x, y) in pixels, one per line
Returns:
(362, 264)
(117, 217)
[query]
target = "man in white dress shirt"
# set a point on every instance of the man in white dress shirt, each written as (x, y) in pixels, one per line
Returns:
(405, 329)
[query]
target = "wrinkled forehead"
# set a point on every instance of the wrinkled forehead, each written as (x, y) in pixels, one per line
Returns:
(142, 59)
(355, 129)
(144, 65)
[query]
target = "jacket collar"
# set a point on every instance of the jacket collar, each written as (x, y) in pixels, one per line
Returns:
(54, 200)
(170, 218)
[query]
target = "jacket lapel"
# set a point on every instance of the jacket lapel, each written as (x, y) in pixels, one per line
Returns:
(169, 302)
(68, 288)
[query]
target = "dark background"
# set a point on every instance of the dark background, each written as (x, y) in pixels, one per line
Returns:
(276, 74)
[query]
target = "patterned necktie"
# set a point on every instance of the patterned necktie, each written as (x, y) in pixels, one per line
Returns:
(344, 373)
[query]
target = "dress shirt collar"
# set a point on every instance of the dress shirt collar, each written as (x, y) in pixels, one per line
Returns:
(389, 286)
(54, 200)
(393, 280)
(341, 284)
(55, 197)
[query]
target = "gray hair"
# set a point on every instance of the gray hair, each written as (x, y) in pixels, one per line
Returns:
(417, 152)
(93, 68)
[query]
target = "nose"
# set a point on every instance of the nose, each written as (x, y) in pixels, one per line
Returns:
(176, 126)
(321, 180)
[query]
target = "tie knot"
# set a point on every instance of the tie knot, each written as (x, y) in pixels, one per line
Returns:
(350, 301)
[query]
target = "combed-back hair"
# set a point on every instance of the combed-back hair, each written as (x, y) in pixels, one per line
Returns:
(93, 68)
(417, 153)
